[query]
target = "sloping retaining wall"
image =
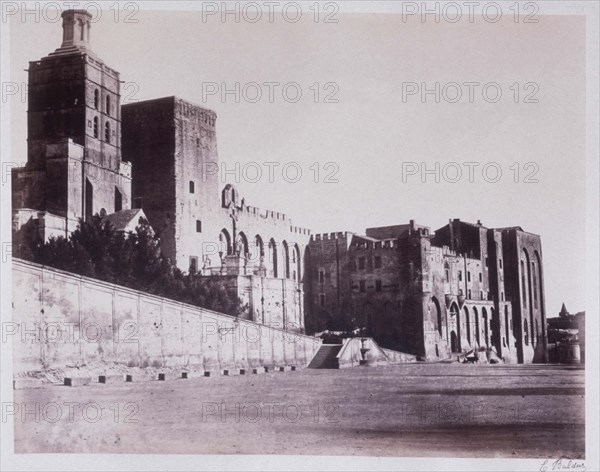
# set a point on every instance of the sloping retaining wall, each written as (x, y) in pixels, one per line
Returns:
(64, 320)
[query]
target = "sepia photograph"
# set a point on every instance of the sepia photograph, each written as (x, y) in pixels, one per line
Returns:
(305, 235)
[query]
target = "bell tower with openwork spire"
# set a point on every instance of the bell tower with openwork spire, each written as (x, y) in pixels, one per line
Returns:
(74, 168)
(76, 29)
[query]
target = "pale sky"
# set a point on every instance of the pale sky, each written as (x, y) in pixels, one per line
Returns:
(371, 131)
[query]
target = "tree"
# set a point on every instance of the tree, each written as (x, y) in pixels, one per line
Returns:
(133, 260)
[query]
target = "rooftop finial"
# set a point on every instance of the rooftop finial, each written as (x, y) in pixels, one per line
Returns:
(76, 28)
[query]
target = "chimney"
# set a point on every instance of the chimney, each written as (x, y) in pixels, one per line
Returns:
(76, 28)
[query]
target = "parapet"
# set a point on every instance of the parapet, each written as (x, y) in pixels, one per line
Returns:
(299, 230)
(330, 236)
(386, 244)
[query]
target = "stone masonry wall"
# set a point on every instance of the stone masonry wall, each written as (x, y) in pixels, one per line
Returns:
(68, 320)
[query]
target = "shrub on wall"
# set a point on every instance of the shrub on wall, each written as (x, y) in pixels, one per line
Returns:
(131, 259)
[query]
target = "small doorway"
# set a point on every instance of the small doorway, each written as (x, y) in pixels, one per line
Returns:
(454, 342)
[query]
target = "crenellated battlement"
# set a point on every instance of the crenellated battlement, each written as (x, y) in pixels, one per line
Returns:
(299, 230)
(330, 236)
(443, 251)
(272, 216)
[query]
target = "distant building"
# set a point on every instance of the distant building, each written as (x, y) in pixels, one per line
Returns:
(463, 288)
(566, 337)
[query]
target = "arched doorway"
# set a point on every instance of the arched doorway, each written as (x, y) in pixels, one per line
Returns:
(468, 324)
(486, 325)
(437, 319)
(369, 312)
(454, 324)
(477, 332)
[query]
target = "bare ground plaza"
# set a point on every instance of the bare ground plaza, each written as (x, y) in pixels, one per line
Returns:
(163, 303)
(434, 409)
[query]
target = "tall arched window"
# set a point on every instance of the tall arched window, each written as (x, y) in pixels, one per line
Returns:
(286, 260)
(108, 104)
(273, 258)
(241, 245)
(95, 126)
(296, 263)
(96, 98)
(224, 243)
(259, 250)
(486, 335)
(526, 333)
(477, 333)
(468, 324)
(506, 324)
(523, 284)
(107, 132)
(535, 286)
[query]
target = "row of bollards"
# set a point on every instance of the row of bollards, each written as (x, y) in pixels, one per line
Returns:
(116, 378)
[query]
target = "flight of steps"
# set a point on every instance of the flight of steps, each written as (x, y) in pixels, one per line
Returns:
(325, 358)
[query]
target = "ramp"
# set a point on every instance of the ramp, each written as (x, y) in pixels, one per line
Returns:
(326, 357)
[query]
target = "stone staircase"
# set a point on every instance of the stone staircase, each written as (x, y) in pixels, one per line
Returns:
(325, 358)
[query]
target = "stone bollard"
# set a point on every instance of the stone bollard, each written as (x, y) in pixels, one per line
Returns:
(77, 381)
(112, 378)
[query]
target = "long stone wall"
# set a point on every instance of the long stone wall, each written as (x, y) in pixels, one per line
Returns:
(63, 320)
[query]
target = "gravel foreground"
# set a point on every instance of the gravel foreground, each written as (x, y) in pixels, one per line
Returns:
(418, 410)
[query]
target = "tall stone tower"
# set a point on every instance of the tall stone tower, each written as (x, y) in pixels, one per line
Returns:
(172, 145)
(74, 167)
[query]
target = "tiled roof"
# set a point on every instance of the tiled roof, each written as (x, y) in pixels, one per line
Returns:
(120, 220)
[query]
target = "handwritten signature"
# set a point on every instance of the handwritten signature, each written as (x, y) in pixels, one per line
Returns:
(550, 465)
